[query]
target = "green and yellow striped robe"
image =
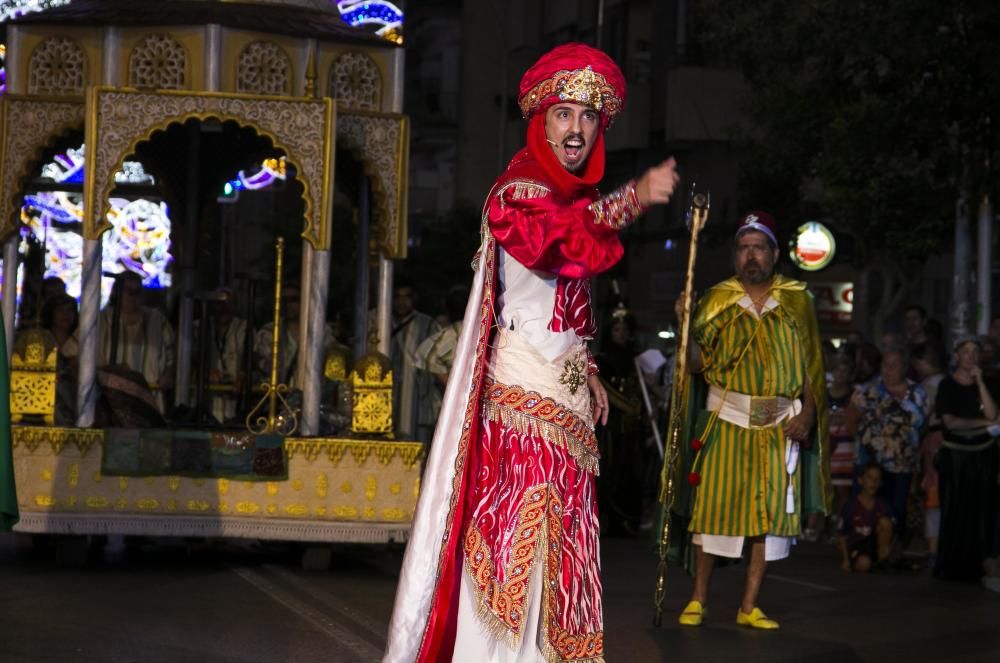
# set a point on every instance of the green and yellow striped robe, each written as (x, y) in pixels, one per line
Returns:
(743, 476)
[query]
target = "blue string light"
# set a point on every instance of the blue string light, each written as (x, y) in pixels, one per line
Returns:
(377, 12)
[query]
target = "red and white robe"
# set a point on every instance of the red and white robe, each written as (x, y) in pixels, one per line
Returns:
(503, 562)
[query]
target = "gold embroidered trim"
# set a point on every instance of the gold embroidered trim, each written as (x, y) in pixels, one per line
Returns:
(619, 208)
(501, 607)
(522, 190)
(529, 413)
(559, 645)
(580, 86)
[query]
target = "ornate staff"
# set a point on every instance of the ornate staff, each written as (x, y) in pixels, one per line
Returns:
(698, 216)
(274, 392)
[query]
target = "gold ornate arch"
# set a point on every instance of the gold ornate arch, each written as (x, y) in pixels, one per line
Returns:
(29, 125)
(381, 143)
(117, 120)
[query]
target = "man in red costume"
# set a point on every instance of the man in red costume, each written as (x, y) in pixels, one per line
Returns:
(503, 562)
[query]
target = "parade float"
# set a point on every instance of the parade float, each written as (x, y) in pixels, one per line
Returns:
(101, 91)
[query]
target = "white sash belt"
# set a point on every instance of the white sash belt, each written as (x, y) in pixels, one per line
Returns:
(748, 411)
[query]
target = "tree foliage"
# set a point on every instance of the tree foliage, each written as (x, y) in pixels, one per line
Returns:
(873, 114)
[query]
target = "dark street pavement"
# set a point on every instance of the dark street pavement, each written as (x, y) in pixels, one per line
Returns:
(241, 602)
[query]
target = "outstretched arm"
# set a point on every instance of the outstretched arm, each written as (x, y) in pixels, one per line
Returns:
(578, 240)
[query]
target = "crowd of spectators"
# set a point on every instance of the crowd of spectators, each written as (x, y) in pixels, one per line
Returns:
(914, 454)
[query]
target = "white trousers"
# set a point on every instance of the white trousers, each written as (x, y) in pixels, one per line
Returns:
(775, 547)
(475, 644)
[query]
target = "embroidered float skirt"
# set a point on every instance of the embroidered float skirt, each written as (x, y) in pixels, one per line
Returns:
(531, 544)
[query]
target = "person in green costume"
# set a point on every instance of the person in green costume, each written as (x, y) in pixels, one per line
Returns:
(755, 342)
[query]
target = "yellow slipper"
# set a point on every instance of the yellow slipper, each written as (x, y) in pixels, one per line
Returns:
(693, 614)
(756, 619)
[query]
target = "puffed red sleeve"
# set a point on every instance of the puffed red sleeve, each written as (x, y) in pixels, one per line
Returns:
(576, 241)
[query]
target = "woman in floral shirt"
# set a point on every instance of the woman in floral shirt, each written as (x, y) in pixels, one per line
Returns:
(887, 415)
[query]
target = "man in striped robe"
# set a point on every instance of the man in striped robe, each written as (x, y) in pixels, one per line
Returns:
(757, 345)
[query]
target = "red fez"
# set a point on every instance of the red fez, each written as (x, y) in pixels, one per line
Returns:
(762, 222)
(575, 73)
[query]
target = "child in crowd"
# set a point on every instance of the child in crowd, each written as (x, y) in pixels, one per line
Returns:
(866, 530)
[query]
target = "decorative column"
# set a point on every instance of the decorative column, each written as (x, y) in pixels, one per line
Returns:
(305, 276)
(385, 267)
(90, 282)
(213, 57)
(14, 83)
(397, 69)
(186, 272)
(984, 267)
(362, 270)
(89, 332)
(110, 56)
(314, 350)
(10, 258)
(10, 255)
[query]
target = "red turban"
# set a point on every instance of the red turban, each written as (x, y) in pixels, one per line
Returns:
(576, 73)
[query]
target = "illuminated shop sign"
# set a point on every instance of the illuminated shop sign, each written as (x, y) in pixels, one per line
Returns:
(834, 301)
(813, 247)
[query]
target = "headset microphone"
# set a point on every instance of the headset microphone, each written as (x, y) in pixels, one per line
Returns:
(552, 142)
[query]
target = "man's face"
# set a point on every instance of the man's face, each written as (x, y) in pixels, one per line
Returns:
(967, 355)
(755, 258)
(914, 323)
(404, 301)
(619, 333)
(572, 131)
(893, 367)
(841, 372)
(131, 295)
(65, 316)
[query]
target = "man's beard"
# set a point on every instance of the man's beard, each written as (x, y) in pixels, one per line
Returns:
(755, 273)
(578, 166)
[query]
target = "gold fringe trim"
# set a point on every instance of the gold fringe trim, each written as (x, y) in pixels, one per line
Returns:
(492, 625)
(549, 652)
(522, 190)
(501, 632)
(552, 656)
(552, 433)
